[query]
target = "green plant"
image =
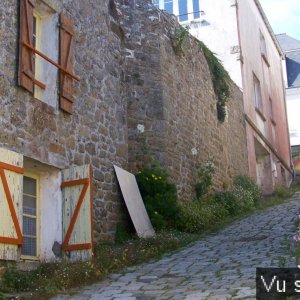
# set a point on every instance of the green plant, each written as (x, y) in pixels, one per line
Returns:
(14, 279)
(248, 184)
(198, 216)
(282, 192)
(178, 38)
(236, 201)
(205, 172)
(220, 80)
(159, 195)
(122, 234)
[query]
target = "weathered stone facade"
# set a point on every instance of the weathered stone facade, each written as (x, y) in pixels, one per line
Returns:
(173, 97)
(96, 132)
(129, 75)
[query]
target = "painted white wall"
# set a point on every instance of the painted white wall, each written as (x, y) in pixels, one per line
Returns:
(293, 112)
(217, 28)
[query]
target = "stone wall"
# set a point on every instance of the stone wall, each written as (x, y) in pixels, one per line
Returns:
(173, 98)
(96, 132)
(130, 76)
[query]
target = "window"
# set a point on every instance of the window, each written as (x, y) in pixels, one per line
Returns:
(196, 9)
(156, 3)
(263, 48)
(186, 10)
(257, 94)
(30, 216)
(46, 51)
(168, 6)
(183, 11)
(271, 110)
(36, 42)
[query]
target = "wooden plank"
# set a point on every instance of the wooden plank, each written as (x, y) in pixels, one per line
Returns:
(75, 184)
(134, 203)
(15, 184)
(25, 54)
(67, 61)
(64, 70)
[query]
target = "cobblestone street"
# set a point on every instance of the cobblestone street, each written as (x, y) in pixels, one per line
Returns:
(220, 266)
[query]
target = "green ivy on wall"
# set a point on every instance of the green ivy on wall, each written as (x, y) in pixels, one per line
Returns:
(219, 75)
(178, 38)
(220, 80)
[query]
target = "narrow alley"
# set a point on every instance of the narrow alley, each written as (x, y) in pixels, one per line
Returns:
(220, 266)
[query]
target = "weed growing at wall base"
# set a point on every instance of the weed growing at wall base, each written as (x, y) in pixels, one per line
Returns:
(51, 278)
(205, 172)
(209, 210)
(159, 195)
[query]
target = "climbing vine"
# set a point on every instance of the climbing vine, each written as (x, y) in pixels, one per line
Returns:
(220, 80)
(180, 34)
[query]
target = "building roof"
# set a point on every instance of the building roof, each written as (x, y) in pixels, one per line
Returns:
(266, 21)
(291, 48)
(287, 43)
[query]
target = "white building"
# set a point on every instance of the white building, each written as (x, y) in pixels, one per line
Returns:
(205, 19)
(291, 48)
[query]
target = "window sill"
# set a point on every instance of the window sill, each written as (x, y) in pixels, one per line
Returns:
(260, 114)
(27, 257)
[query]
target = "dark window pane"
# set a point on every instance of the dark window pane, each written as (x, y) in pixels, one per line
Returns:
(29, 246)
(182, 5)
(168, 6)
(29, 186)
(196, 9)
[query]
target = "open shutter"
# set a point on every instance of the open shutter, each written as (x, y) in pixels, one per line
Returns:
(11, 195)
(26, 56)
(66, 61)
(77, 212)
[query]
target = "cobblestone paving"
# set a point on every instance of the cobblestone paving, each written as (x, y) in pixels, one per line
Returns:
(220, 266)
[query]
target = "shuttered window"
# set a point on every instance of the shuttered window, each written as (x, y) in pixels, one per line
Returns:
(257, 94)
(30, 54)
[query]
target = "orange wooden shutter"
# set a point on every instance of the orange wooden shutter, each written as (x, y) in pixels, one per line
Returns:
(11, 199)
(77, 212)
(66, 61)
(26, 56)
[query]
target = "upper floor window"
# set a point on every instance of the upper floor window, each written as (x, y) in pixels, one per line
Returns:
(257, 93)
(168, 6)
(196, 9)
(186, 10)
(46, 51)
(263, 48)
(183, 10)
